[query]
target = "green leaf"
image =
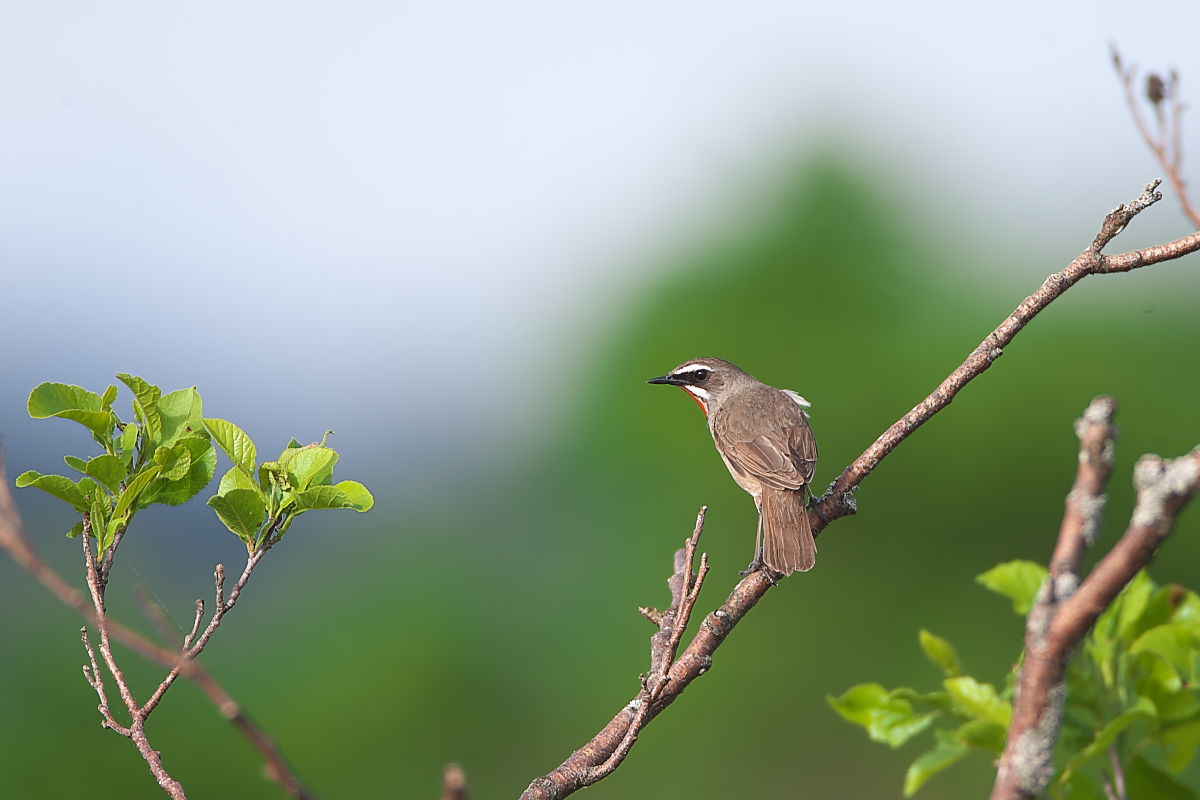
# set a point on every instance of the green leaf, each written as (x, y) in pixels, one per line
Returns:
(241, 510)
(941, 653)
(1181, 743)
(979, 700)
(60, 486)
(359, 497)
(133, 490)
(1145, 781)
(930, 763)
(309, 466)
(110, 394)
(182, 415)
(939, 700)
(145, 405)
(175, 462)
(202, 465)
(1173, 643)
(347, 494)
(1142, 709)
(1017, 580)
(108, 470)
(76, 529)
(73, 403)
(886, 718)
(236, 479)
(1132, 602)
(984, 734)
(236, 444)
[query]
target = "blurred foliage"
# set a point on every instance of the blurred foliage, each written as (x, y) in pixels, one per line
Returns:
(496, 625)
(1134, 693)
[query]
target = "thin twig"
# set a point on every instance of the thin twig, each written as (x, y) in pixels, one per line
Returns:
(16, 542)
(95, 679)
(605, 752)
(137, 730)
(1167, 144)
(1163, 489)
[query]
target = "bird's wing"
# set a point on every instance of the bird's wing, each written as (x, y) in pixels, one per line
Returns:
(782, 458)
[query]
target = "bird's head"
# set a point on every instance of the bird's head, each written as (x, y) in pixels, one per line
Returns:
(708, 380)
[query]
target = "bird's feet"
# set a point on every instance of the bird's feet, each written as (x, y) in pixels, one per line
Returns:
(758, 564)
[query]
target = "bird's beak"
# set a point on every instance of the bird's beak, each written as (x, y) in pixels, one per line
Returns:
(667, 379)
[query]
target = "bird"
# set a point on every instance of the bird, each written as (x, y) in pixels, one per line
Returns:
(764, 438)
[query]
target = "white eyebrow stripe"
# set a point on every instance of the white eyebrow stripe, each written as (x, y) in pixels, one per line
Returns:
(691, 368)
(800, 401)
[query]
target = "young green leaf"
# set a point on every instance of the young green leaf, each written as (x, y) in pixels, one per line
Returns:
(76, 463)
(242, 511)
(885, 717)
(108, 470)
(941, 653)
(982, 734)
(110, 394)
(979, 700)
(202, 465)
(236, 444)
(182, 415)
(73, 403)
(1017, 580)
(930, 763)
(76, 529)
(133, 491)
(1173, 643)
(61, 487)
(145, 404)
(236, 479)
(309, 466)
(175, 461)
(1142, 709)
(347, 494)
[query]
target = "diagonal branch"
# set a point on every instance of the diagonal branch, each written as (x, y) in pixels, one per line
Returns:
(839, 501)
(1163, 489)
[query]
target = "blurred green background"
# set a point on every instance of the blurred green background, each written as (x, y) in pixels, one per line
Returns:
(485, 612)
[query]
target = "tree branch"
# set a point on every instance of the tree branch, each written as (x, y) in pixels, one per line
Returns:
(16, 542)
(1163, 96)
(839, 501)
(1163, 489)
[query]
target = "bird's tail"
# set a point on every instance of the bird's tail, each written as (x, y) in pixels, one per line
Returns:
(788, 546)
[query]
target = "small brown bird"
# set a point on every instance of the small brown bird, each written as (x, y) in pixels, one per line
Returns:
(763, 436)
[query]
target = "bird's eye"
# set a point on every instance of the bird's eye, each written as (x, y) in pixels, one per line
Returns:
(701, 375)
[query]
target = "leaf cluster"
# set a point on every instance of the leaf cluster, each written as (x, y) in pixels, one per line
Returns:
(166, 454)
(1133, 692)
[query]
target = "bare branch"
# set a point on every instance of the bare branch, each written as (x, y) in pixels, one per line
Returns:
(1166, 145)
(1163, 489)
(838, 501)
(16, 542)
(95, 679)
(604, 753)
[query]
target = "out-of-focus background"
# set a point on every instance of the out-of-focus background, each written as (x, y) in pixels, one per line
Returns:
(463, 235)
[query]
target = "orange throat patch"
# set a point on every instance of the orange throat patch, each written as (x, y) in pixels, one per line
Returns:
(699, 401)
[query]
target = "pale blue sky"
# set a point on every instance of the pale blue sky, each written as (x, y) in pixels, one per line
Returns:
(428, 206)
